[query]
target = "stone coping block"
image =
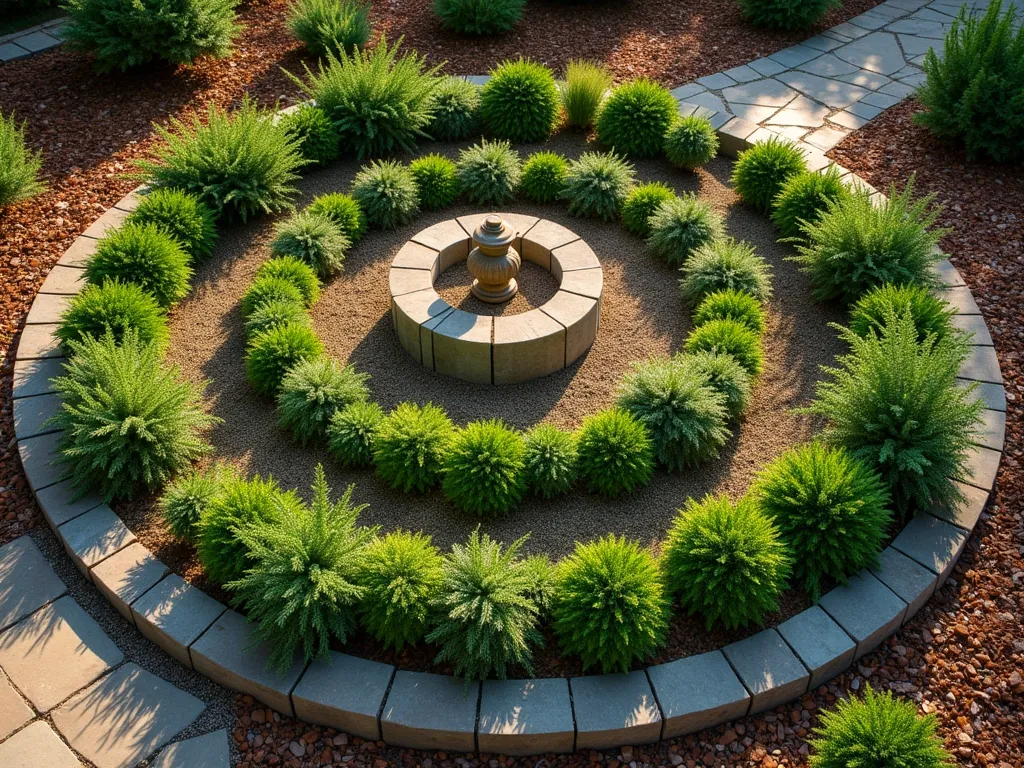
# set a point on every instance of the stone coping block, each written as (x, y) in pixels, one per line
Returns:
(225, 653)
(580, 316)
(126, 575)
(526, 346)
(911, 581)
(992, 431)
(39, 341)
(461, 344)
(520, 223)
(993, 395)
(697, 692)
(14, 712)
(174, 614)
(974, 325)
(343, 692)
(768, 668)
(401, 281)
(980, 365)
(732, 137)
(820, 643)
(35, 377)
(27, 581)
(614, 710)
(867, 609)
(571, 257)
(61, 503)
(415, 256)
(411, 314)
(64, 281)
(48, 307)
(982, 468)
(524, 717)
(93, 537)
(207, 751)
(961, 299)
(428, 711)
(35, 746)
(964, 514)
(585, 282)
(32, 414)
(449, 239)
(933, 543)
(38, 459)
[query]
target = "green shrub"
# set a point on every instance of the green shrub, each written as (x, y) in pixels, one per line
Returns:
(691, 142)
(761, 171)
(725, 562)
(725, 375)
(520, 101)
(313, 239)
(300, 588)
(680, 225)
(788, 15)
(542, 589)
(344, 211)
(804, 198)
(585, 85)
(269, 289)
(314, 131)
(410, 445)
(386, 192)
(730, 337)
(114, 307)
(640, 205)
(972, 94)
(479, 17)
(454, 105)
(144, 255)
(129, 422)
(723, 265)
(272, 313)
(436, 181)
(615, 453)
(330, 26)
(931, 315)
(486, 620)
(856, 245)
(550, 461)
(609, 606)
(401, 575)
(635, 117)
(295, 271)
(484, 469)
(182, 216)
(489, 172)
(351, 433)
(379, 103)
(543, 177)
(895, 404)
(188, 496)
(272, 353)
(733, 305)
(238, 164)
(311, 393)
(19, 166)
(122, 34)
(597, 184)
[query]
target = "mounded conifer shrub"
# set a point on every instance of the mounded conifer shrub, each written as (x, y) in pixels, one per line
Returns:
(454, 105)
(733, 305)
(271, 354)
(312, 391)
(584, 88)
(315, 240)
(296, 271)
(597, 185)
(489, 172)
(436, 181)
(550, 460)
(274, 313)
(787, 15)
(386, 192)
(479, 17)
(19, 166)
(681, 225)
(330, 26)
(484, 469)
(725, 264)
(641, 203)
(761, 171)
(520, 101)
(114, 307)
(270, 289)
(186, 498)
(182, 216)
(352, 431)
(543, 177)
(410, 446)
(730, 337)
(804, 198)
(635, 117)
(318, 141)
(615, 453)
(344, 211)
(725, 375)
(931, 315)
(691, 142)
(145, 255)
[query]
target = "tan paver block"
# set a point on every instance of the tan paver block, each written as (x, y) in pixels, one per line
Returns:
(93, 537)
(461, 345)
(35, 747)
(580, 316)
(32, 415)
(409, 312)
(526, 346)
(416, 256)
(79, 253)
(34, 377)
(584, 282)
(174, 614)
(14, 712)
(61, 503)
(66, 281)
(543, 238)
(48, 308)
(448, 238)
(522, 224)
(112, 219)
(403, 281)
(38, 341)
(125, 576)
(55, 652)
(38, 459)
(27, 581)
(131, 201)
(575, 255)
(207, 751)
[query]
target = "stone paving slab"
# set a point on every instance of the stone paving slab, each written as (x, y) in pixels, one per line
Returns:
(207, 751)
(48, 308)
(32, 414)
(965, 514)
(34, 377)
(13, 52)
(697, 692)
(39, 341)
(992, 431)
(867, 609)
(993, 395)
(127, 575)
(933, 543)
(976, 326)
(93, 537)
(37, 746)
(768, 668)
(27, 581)
(820, 643)
(79, 253)
(38, 459)
(174, 614)
(982, 468)
(61, 503)
(343, 692)
(911, 581)
(982, 364)
(765, 93)
(525, 717)
(112, 219)
(63, 281)
(14, 712)
(37, 42)
(428, 711)
(614, 710)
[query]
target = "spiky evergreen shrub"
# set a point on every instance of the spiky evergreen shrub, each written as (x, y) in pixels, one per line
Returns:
(436, 181)
(486, 615)
(312, 391)
(318, 141)
(145, 255)
(272, 353)
(894, 404)
(691, 142)
(489, 172)
(856, 245)
(400, 575)
(786, 15)
(615, 453)
(19, 166)
(380, 103)
(410, 445)
(344, 211)
(725, 562)
(520, 101)
(725, 375)
(313, 239)
(931, 315)
(543, 177)
(484, 469)
(386, 192)
(454, 105)
(295, 271)
(641, 203)
(609, 605)
(761, 171)
(974, 91)
(300, 587)
(542, 589)
(878, 730)
(479, 17)
(122, 34)
(351, 433)
(804, 197)
(725, 264)
(274, 313)
(270, 289)
(634, 118)
(186, 498)
(597, 184)
(550, 461)
(680, 225)
(128, 421)
(182, 216)
(239, 164)
(730, 337)
(114, 307)
(583, 90)
(684, 416)
(330, 26)
(731, 304)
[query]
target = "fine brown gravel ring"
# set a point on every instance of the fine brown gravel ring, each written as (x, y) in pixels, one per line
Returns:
(423, 710)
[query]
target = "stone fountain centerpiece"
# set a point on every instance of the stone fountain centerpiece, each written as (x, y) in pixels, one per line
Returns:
(493, 262)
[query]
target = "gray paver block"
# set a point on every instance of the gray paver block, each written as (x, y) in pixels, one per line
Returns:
(982, 364)
(461, 345)
(60, 503)
(64, 281)
(881, 100)
(829, 66)
(795, 55)
(683, 92)
(993, 395)
(14, 712)
(27, 581)
(707, 104)
(992, 431)
(866, 111)
(174, 614)
(877, 52)
(768, 668)
(742, 74)
(732, 137)
(525, 717)
(93, 537)
(39, 341)
(766, 93)
(867, 609)
(766, 67)
(982, 467)
(910, 580)
(37, 746)
(12, 52)
(37, 41)
(127, 575)
(38, 459)
(716, 81)
(343, 692)
(826, 138)
(526, 346)
(207, 751)
(427, 711)
(56, 651)
(697, 692)
(822, 645)
(964, 514)
(125, 717)
(933, 543)
(32, 414)
(48, 307)
(802, 111)
(753, 113)
(976, 326)
(613, 710)
(79, 253)
(834, 93)
(34, 377)
(112, 219)
(961, 299)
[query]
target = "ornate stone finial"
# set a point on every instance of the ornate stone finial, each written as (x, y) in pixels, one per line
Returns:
(493, 262)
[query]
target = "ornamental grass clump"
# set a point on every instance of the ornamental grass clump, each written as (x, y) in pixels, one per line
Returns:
(182, 216)
(691, 142)
(479, 17)
(295, 271)
(115, 308)
(550, 460)
(315, 240)
(436, 181)
(609, 606)
(312, 391)
(586, 83)
(484, 469)
(804, 198)
(681, 225)
(352, 431)
(733, 305)
(634, 118)
(725, 562)
(787, 15)
(725, 375)
(615, 455)
(344, 211)
(931, 315)
(274, 313)
(145, 255)
(761, 171)
(386, 193)
(186, 499)
(543, 177)
(270, 289)
(725, 264)
(410, 446)
(519, 102)
(729, 337)
(486, 613)
(330, 26)
(597, 184)
(454, 105)
(641, 203)
(489, 172)
(313, 129)
(19, 166)
(272, 353)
